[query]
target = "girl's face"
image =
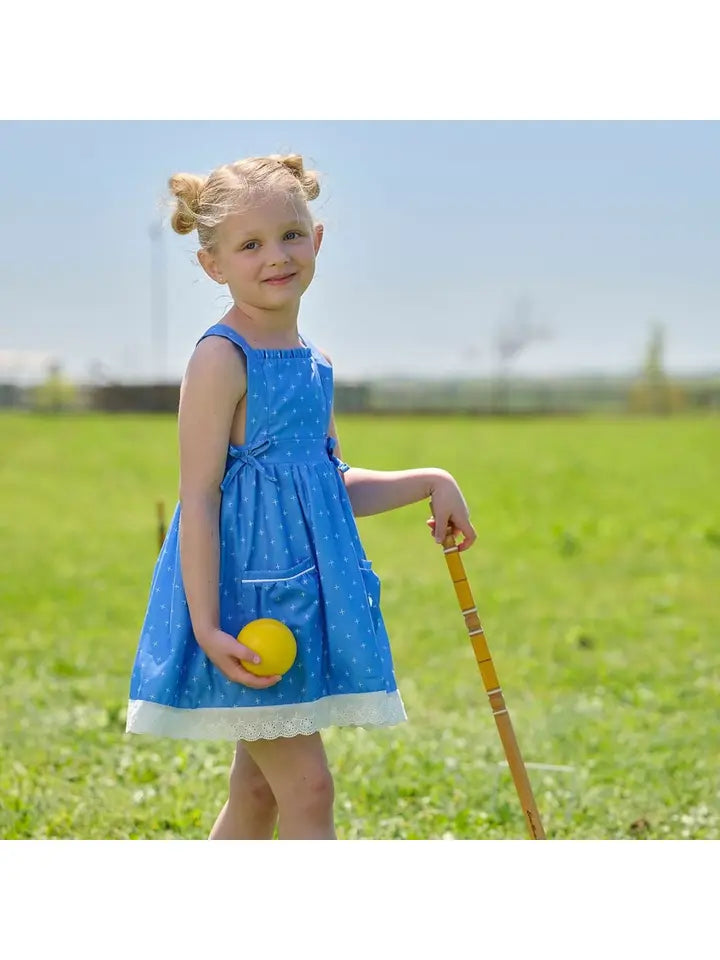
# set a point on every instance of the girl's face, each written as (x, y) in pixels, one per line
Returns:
(266, 253)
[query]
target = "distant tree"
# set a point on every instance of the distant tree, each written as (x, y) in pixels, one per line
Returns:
(654, 392)
(55, 394)
(98, 372)
(512, 337)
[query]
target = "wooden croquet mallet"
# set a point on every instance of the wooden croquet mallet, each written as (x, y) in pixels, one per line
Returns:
(492, 687)
(160, 523)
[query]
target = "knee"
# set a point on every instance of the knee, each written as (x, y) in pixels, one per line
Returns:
(250, 786)
(313, 791)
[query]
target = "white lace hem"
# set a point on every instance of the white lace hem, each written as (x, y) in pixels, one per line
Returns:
(378, 709)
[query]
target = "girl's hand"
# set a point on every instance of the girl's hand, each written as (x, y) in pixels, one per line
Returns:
(450, 512)
(226, 653)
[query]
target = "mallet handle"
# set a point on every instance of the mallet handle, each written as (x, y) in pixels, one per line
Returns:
(160, 506)
(492, 688)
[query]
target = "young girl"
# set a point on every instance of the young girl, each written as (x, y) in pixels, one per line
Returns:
(265, 523)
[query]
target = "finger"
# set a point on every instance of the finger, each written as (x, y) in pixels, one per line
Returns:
(441, 529)
(261, 683)
(455, 531)
(241, 652)
(241, 675)
(469, 537)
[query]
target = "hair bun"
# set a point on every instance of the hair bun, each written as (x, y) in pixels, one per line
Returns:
(307, 178)
(186, 187)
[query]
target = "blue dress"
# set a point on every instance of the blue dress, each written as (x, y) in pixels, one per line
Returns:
(289, 549)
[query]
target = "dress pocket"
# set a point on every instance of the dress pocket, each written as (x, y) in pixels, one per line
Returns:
(291, 596)
(372, 586)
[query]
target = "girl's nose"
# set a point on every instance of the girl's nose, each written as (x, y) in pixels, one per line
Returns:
(277, 254)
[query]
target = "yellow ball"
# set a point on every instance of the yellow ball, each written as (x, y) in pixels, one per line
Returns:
(274, 642)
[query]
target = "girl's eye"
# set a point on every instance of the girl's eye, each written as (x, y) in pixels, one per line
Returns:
(290, 235)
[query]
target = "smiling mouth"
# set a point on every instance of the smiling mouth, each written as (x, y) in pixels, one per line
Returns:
(283, 279)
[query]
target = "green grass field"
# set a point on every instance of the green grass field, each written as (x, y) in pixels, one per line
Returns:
(596, 574)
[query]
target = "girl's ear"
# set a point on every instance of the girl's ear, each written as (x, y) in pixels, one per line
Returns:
(319, 232)
(207, 262)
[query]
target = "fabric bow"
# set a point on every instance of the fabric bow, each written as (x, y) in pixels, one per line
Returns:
(340, 464)
(246, 456)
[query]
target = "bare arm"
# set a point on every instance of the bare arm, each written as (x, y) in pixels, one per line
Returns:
(213, 385)
(375, 491)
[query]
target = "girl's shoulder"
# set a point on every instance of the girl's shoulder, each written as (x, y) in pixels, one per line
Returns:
(215, 367)
(323, 353)
(226, 341)
(318, 354)
(222, 333)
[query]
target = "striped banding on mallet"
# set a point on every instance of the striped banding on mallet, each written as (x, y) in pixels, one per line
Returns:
(466, 602)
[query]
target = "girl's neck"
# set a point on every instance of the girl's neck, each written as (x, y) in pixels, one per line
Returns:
(263, 329)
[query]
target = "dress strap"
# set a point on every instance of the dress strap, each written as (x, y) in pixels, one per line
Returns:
(324, 368)
(315, 352)
(223, 330)
(257, 413)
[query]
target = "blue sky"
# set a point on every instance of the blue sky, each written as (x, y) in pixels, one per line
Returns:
(434, 232)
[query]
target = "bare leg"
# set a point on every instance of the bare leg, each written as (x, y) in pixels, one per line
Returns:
(297, 771)
(251, 811)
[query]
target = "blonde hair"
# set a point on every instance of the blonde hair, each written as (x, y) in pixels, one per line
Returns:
(202, 203)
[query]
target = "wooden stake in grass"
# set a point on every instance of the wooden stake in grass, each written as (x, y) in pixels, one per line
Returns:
(161, 523)
(492, 687)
